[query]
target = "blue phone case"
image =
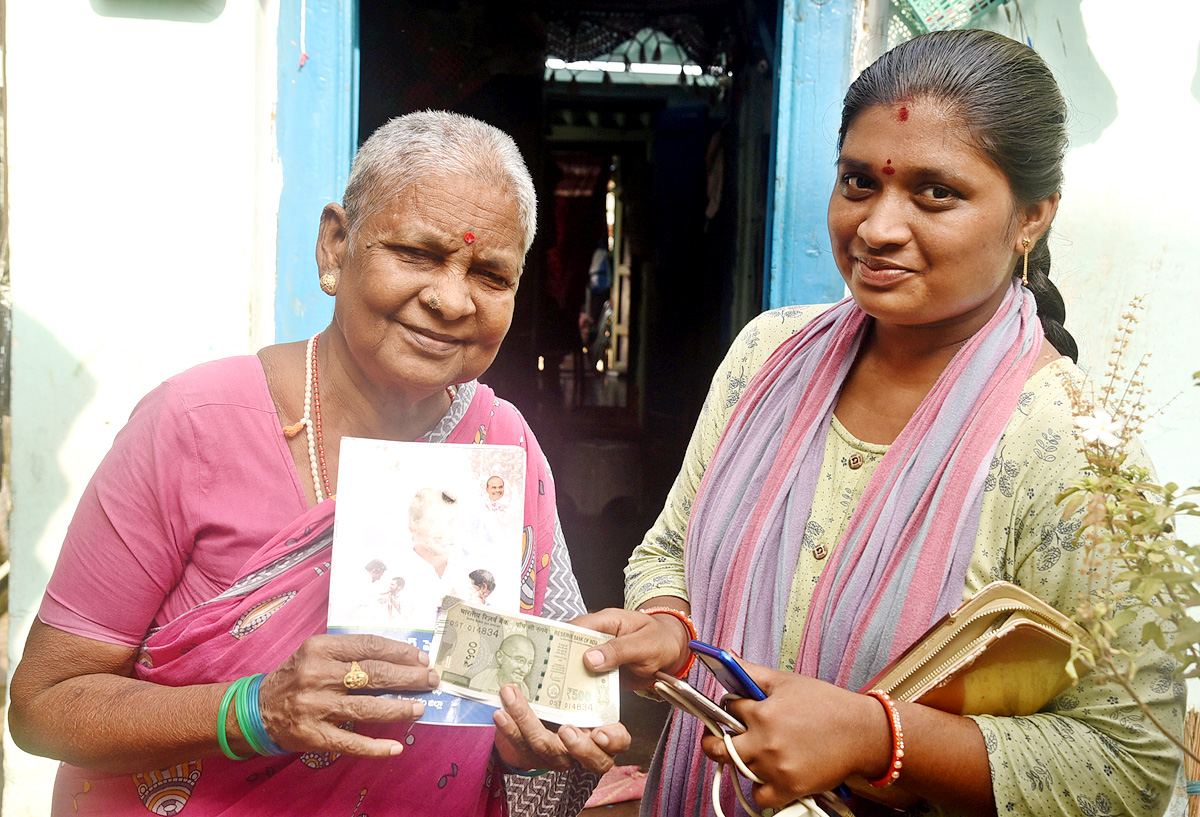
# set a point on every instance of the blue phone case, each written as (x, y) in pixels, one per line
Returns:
(724, 665)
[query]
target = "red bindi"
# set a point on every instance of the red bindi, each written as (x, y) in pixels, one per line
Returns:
(889, 170)
(469, 238)
(903, 114)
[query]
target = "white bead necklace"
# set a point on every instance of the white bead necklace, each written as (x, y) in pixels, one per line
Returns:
(306, 422)
(307, 419)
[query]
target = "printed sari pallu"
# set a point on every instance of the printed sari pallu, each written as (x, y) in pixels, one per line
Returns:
(278, 601)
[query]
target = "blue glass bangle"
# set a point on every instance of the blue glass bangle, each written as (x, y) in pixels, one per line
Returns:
(254, 722)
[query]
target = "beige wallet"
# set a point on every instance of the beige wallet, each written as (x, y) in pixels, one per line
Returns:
(1003, 652)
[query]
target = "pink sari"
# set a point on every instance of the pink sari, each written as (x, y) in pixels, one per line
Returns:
(278, 601)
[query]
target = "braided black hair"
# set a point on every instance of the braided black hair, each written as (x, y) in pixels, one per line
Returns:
(1011, 104)
(1050, 306)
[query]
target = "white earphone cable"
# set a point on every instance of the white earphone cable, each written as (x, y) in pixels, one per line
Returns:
(804, 807)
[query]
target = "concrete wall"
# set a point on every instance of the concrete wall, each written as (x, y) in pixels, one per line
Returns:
(143, 194)
(1128, 224)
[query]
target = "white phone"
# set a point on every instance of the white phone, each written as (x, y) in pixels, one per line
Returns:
(682, 695)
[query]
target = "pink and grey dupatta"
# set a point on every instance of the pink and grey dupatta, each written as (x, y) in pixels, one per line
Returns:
(901, 562)
(279, 600)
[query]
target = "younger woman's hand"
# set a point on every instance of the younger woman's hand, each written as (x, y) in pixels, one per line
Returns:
(524, 742)
(644, 644)
(806, 737)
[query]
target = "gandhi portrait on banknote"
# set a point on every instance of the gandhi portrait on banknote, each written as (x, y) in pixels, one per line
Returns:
(488, 650)
(479, 650)
(514, 658)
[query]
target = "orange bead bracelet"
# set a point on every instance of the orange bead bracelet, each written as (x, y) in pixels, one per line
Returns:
(893, 769)
(691, 628)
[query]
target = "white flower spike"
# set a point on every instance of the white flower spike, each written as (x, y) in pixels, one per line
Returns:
(1100, 426)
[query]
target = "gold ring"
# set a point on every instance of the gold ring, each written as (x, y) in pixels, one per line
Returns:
(434, 302)
(356, 678)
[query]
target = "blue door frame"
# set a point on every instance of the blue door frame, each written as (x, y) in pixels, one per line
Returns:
(317, 135)
(815, 44)
(316, 131)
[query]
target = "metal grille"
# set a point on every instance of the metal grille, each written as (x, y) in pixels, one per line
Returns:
(912, 17)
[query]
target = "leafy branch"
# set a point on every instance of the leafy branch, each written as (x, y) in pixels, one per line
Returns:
(1133, 558)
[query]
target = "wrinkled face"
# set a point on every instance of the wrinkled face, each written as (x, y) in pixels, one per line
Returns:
(515, 658)
(447, 237)
(923, 224)
(495, 488)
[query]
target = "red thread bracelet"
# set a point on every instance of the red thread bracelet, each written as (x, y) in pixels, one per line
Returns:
(893, 769)
(691, 628)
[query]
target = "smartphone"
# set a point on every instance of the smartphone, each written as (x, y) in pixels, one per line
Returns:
(682, 695)
(725, 666)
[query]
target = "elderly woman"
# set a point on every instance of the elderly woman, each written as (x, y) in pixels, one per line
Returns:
(198, 554)
(861, 469)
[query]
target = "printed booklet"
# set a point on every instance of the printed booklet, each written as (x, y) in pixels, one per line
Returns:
(417, 522)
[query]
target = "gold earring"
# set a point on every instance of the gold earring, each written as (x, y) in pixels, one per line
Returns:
(329, 283)
(435, 303)
(1025, 268)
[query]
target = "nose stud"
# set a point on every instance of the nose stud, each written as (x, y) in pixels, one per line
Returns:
(434, 302)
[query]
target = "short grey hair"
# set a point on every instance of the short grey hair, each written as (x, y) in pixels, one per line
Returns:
(409, 148)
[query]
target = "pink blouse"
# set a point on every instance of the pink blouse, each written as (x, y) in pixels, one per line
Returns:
(195, 482)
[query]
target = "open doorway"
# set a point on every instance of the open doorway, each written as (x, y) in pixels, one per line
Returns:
(653, 209)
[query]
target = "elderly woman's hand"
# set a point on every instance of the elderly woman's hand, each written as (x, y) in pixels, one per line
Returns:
(525, 743)
(305, 701)
(643, 644)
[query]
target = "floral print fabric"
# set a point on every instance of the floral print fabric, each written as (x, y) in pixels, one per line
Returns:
(1091, 752)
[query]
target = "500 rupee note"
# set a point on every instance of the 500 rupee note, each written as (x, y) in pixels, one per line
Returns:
(478, 650)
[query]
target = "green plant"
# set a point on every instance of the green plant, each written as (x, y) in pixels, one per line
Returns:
(1134, 558)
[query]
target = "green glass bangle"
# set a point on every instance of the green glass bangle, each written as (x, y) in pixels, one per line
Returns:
(510, 769)
(242, 711)
(222, 715)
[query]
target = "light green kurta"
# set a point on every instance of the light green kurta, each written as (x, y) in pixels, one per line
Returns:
(1091, 751)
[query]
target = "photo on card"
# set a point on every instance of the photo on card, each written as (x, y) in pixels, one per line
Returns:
(417, 522)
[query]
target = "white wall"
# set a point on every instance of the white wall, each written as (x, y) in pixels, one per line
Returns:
(143, 193)
(1128, 223)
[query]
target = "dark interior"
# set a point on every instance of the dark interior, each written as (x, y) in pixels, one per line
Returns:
(684, 165)
(687, 165)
